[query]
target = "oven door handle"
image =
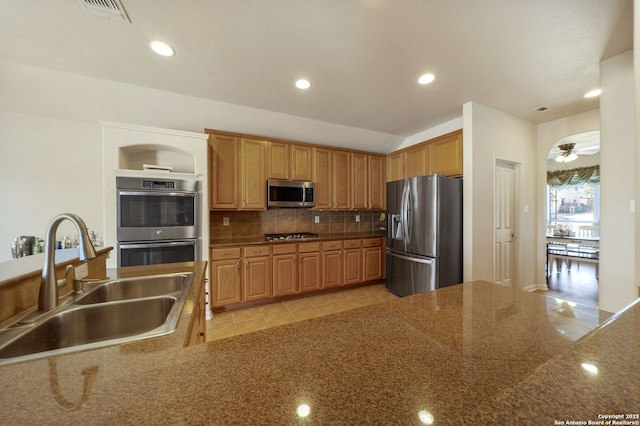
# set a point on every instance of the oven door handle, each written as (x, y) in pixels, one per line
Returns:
(158, 193)
(155, 245)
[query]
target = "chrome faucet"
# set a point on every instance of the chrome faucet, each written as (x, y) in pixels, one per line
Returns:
(48, 298)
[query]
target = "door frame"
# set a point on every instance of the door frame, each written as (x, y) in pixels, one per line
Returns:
(517, 200)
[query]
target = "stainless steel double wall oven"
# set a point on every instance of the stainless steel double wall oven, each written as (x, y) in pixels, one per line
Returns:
(158, 220)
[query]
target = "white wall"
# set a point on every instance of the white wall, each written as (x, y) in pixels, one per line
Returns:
(491, 135)
(617, 183)
(40, 92)
(48, 166)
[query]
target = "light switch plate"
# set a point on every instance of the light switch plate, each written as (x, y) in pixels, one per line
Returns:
(225, 221)
(357, 218)
(316, 219)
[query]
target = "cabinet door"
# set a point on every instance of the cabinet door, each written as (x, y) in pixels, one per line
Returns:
(285, 277)
(359, 181)
(252, 174)
(372, 263)
(225, 282)
(445, 155)
(278, 156)
(331, 268)
(395, 167)
(310, 271)
(257, 278)
(376, 181)
(301, 162)
(341, 176)
(322, 178)
(417, 160)
(352, 266)
(224, 172)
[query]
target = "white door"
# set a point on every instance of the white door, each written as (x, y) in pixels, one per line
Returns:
(505, 225)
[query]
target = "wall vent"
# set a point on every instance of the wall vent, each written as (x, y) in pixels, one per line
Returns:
(111, 9)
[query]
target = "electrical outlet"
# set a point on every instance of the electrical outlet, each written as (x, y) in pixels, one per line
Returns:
(316, 219)
(225, 221)
(357, 218)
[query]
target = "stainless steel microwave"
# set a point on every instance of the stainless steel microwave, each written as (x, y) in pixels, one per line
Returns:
(284, 193)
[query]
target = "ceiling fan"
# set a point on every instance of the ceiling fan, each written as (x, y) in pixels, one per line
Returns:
(566, 154)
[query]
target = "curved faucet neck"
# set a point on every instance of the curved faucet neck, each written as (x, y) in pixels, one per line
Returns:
(48, 297)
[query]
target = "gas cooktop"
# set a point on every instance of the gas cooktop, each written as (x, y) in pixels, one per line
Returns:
(289, 236)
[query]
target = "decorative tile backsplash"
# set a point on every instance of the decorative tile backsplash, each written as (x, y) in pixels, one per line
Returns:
(276, 221)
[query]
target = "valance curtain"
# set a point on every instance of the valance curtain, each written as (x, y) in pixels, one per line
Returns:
(560, 179)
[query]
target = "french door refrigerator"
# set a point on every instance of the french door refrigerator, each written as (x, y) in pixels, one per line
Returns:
(424, 234)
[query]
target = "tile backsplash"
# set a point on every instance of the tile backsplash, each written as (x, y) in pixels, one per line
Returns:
(276, 221)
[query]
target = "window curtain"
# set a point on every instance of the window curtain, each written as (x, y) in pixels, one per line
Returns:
(560, 179)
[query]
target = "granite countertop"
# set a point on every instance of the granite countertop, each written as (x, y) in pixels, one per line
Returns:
(259, 239)
(474, 353)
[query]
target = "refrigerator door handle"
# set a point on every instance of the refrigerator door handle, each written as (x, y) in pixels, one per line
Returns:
(405, 214)
(410, 258)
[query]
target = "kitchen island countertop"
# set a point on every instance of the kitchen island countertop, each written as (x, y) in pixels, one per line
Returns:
(474, 353)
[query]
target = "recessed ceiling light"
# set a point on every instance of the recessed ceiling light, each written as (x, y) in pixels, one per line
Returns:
(593, 93)
(303, 84)
(162, 48)
(426, 79)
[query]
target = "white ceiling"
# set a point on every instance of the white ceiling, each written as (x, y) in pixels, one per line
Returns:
(363, 57)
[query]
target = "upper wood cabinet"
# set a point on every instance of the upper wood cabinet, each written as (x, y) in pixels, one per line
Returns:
(224, 172)
(237, 173)
(376, 182)
(341, 185)
(445, 155)
(322, 173)
(253, 186)
(301, 162)
(367, 183)
(441, 155)
(278, 160)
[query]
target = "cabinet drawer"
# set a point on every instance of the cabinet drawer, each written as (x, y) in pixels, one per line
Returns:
(253, 251)
(372, 242)
(284, 249)
(308, 247)
(331, 245)
(225, 253)
(350, 244)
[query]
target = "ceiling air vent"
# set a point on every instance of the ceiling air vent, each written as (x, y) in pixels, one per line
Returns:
(111, 9)
(542, 109)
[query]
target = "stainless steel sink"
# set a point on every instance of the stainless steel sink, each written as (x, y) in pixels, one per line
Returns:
(134, 288)
(108, 313)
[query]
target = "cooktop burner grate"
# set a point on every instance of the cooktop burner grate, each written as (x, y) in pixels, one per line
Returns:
(289, 236)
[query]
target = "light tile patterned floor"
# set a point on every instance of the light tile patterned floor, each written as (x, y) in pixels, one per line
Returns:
(228, 324)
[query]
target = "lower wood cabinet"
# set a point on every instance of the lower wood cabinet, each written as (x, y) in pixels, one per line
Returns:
(264, 271)
(309, 267)
(225, 276)
(285, 270)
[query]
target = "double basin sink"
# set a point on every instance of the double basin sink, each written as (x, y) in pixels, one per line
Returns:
(106, 313)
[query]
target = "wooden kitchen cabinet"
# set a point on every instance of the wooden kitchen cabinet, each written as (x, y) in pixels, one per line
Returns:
(395, 166)
(278, 160)
(359, 181)
(309, 267)
(416, 160)
(445, 155)
(256, 277)
(253, 174)
(225, 277)
(332, 268)
(322, 176)
(224, 172)
(341, 179)
(372, 259)
(376, 190)
(284, 270)
(352, 261)
(301, 162)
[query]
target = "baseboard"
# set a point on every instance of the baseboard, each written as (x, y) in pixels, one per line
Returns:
(534, 287)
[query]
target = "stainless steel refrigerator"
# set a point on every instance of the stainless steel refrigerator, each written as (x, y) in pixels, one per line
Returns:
(424, 234)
